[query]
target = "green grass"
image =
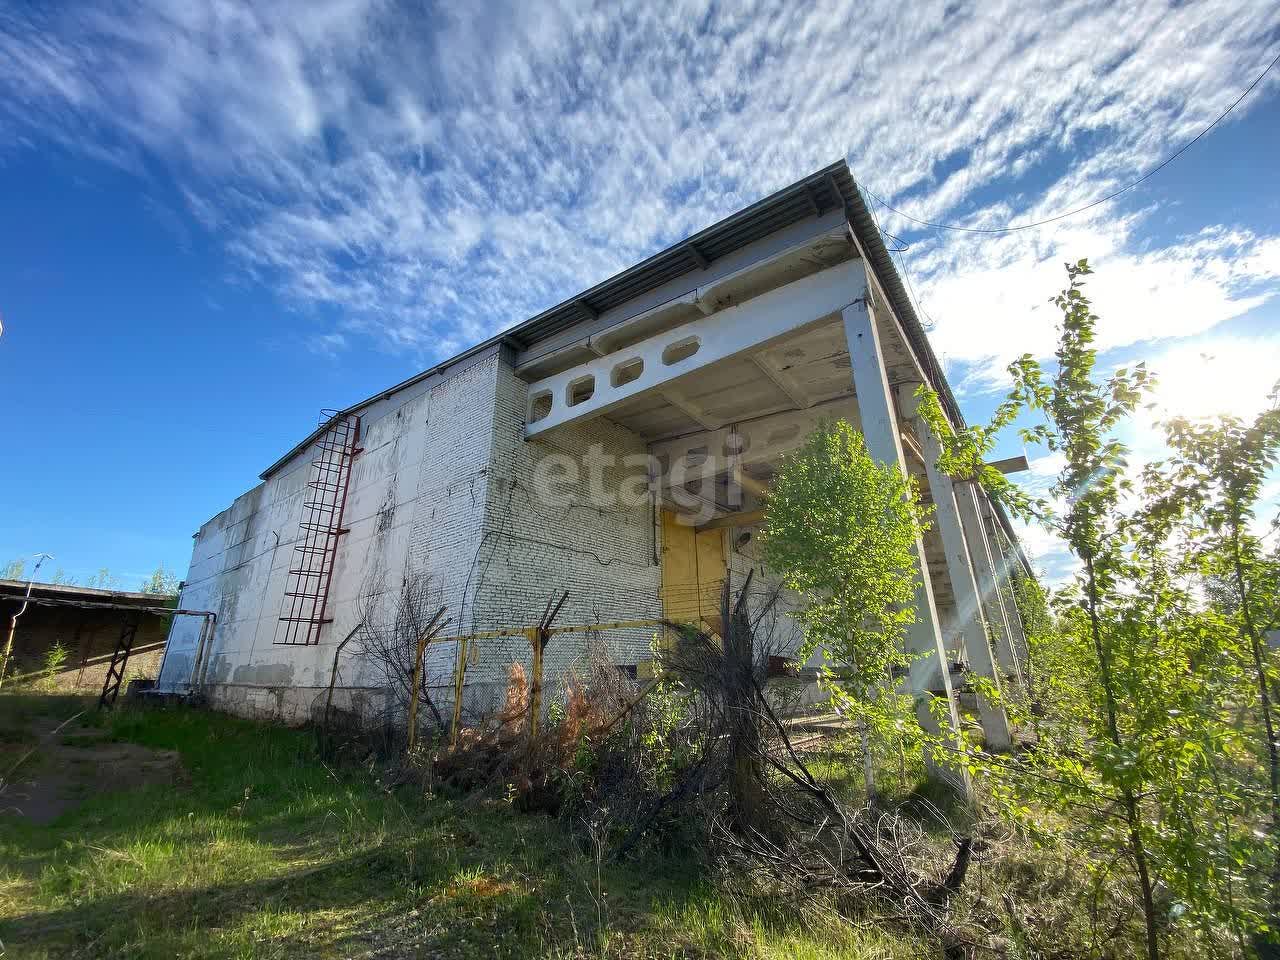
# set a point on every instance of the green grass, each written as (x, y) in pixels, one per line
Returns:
(261, 850)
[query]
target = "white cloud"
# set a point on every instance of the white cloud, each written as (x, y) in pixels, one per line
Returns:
(1223, 375)
(997, 308)
(437, 176)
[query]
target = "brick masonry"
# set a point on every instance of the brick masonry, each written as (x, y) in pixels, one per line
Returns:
(446, 487)
(89, 638)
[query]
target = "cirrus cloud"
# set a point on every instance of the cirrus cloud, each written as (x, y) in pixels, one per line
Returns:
(436, 173)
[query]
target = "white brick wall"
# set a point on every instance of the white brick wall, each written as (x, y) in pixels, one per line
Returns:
(602, 553)
(445, 486)
(415, 502)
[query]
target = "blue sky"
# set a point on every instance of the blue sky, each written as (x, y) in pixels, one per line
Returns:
(220, 220)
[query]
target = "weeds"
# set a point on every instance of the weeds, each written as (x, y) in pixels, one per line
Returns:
(261, 849)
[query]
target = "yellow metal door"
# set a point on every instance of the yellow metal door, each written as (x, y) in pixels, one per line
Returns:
(709, 547)
(679, 570)
(693, 570)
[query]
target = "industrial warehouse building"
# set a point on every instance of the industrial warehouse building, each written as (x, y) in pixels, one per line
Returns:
(615, 447)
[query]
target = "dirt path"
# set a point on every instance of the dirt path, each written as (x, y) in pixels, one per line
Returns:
(44, 772)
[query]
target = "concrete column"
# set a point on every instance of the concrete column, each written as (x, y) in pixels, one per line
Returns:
(970, 622)
(986, 567)
(928, 671)
(1005, 560)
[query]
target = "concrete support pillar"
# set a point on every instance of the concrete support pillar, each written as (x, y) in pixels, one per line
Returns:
(1005, 561)
(986, 567)
(970, 620)
(928, 677)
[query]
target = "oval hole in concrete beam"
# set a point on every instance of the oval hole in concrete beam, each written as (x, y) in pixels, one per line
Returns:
(628, 371)
(580, 390)
(680, 350)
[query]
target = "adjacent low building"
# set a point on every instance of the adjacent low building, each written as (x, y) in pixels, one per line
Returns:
(85, 624)
(615, 447)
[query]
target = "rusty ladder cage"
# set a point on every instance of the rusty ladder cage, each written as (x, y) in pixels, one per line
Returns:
(306, 594)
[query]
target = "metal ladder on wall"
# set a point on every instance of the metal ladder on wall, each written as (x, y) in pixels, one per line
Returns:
(306, 595)
(119, 658)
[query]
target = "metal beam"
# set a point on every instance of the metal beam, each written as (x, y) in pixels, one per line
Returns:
(1011, 464)
(739, 518)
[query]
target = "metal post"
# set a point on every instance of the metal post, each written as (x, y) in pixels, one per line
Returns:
(459, 676)
(537, 638)
(333, 674)
(201, 643)
(413, 690)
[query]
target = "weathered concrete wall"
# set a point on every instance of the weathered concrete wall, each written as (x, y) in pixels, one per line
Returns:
(446, 488)
(294, 705)
(418, 482)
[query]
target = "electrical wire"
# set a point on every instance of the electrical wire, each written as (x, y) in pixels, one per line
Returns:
(1088, 206)
(902, 261)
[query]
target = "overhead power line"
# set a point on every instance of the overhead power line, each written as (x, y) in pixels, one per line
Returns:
(900, 250)
(1088, 206)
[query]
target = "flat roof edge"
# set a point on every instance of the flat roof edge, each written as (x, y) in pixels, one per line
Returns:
(19, 588)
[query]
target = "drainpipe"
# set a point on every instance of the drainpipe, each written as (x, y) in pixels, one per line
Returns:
(197, 671)
(13, 621)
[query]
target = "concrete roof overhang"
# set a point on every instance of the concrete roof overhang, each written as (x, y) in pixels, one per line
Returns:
(16, 590)
(830, 192)
(822, 192)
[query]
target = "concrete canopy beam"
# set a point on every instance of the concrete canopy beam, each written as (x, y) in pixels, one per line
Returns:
(781, 381)
(690, 409)
(762, 440)
(677, 353)
(1005, 558)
